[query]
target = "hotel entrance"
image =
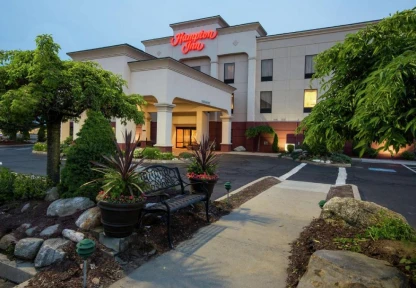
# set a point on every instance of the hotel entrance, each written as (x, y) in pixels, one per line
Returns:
(185, 136)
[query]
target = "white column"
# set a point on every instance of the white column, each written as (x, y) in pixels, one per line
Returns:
(226, 133)
(121, 128)
(78, 125)
(214, 68)
(164, 126)
(202, 125)
(251, 89)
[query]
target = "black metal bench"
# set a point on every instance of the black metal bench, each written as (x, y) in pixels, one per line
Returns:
(158, 180)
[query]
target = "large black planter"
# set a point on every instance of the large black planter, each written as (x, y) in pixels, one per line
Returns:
(200, 186)
(119, 219)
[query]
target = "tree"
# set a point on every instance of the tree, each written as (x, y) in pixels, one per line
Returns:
(256, 131)
(38, 84)
(95, 139)
(41, 134)
(275, 145)
(369, 88)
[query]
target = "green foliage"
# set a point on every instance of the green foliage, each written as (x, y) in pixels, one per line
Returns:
(138, 153)
(166, 156)
(322, 203)
(6, 184)
(340, 158)
(368, 91)
(350, 244)
(66, 145)
(95, 139)
(290, 148)
(205, 160)
(151, 153)
(408, 155)
(41, 134)
(255, 131)
(368, 152)
(275, 145)
(391, 229)
(42, 147)
(185, 155)
(30, 186)
(409, 265)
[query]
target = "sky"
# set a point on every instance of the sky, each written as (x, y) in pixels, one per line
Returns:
(84, 24)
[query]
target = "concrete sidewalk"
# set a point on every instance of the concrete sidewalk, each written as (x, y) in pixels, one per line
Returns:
(247, 248)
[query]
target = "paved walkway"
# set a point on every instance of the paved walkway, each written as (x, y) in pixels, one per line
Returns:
(247, 248)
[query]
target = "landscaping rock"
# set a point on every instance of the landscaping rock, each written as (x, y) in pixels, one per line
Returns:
(349, 269)
(66, 207)
(31, 231)
(73, 235)
(52, 194)
(240, 149)
(48, 231)
(51, 252)
(357, 213)
(24, 208)
(90, 219)
(6, 241)
(27, 248)
(22, 228)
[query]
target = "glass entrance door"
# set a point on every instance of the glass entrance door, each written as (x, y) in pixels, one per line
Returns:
(185, 137)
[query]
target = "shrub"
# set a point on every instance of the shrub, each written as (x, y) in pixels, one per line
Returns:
(94, 140)
(66, 145)
(6, 184)
(186, 155)
(138, 153)
(41, 134)
(295, 155)
(166, 156)
(408, 155)
(290, 148)
(30, 186)
(371, 152)
(42, 147)
(151, 153)
(275, 146)
(391, 229)
(340, 158)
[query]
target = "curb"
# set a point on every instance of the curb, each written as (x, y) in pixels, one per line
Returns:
(39, 152)
(14, 271)
(245, 186)
(326, 164)
(355, 191)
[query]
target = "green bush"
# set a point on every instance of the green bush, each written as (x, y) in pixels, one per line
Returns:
(371, 152)
(66, 145)
(42, 147)
(151, 153)
(166, 156)
(275, 145)
(391, 229)
(30, 186)
(41, 134)
(340, 158)
(290, 148)
(406, 155)
(186, 155)
(138, 153)
(94, 140)
(6, 185)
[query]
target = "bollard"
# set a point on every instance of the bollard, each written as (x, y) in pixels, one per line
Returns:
(227, 186)
(85, 248)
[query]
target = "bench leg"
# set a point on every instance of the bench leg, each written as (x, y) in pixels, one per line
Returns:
(169, 231)
(207, 209)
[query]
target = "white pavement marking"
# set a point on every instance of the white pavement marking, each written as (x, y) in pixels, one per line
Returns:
(342, 176)
(292, 172)
(411, 167)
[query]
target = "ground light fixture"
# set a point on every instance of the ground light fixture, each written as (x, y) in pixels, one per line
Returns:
(85, 248)
(227, 187)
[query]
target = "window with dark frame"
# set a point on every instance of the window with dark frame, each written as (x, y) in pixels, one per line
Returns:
(309, 100)
(267, 70)
(229, 73)
(309, 66)
(266, 102)
(197, 68)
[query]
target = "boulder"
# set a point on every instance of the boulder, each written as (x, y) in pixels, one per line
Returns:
(6, 241)
(357, 213)
(31, 231)
(52, 194)
(240, 149)
(90, 219)
(49, 231)
(27, 248)
(73, 235)
(22, 228)
(25, 207)
(51, 252)
(66, 207)
(349, 269)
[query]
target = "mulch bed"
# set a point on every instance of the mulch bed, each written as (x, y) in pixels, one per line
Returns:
(321, 235)
(344, 191)
(152, 241)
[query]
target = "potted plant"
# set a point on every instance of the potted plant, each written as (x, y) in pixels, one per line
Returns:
(201, 171)
(121, 199)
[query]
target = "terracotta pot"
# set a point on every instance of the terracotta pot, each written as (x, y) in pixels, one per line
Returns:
(198, 187)
(119, 219)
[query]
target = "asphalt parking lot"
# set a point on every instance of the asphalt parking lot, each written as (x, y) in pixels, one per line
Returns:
(390, 185)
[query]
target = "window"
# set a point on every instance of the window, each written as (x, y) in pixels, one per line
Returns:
(229, 73)
(266, 102)
(197, 68)
(309, 66)
(232, 103)
(309, 100)
(267, 70)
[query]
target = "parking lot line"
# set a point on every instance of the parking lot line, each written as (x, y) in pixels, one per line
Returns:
(410, 167)
(342, 176)
(292, 172)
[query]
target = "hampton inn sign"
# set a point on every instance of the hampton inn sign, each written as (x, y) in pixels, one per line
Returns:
(191, 41)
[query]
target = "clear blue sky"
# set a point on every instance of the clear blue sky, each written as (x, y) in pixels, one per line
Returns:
(84, 24)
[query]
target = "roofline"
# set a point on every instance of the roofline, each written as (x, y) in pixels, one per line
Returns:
(300, 33)
(109, 47)
(221, 83)
(261, 28)
(200, 19)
